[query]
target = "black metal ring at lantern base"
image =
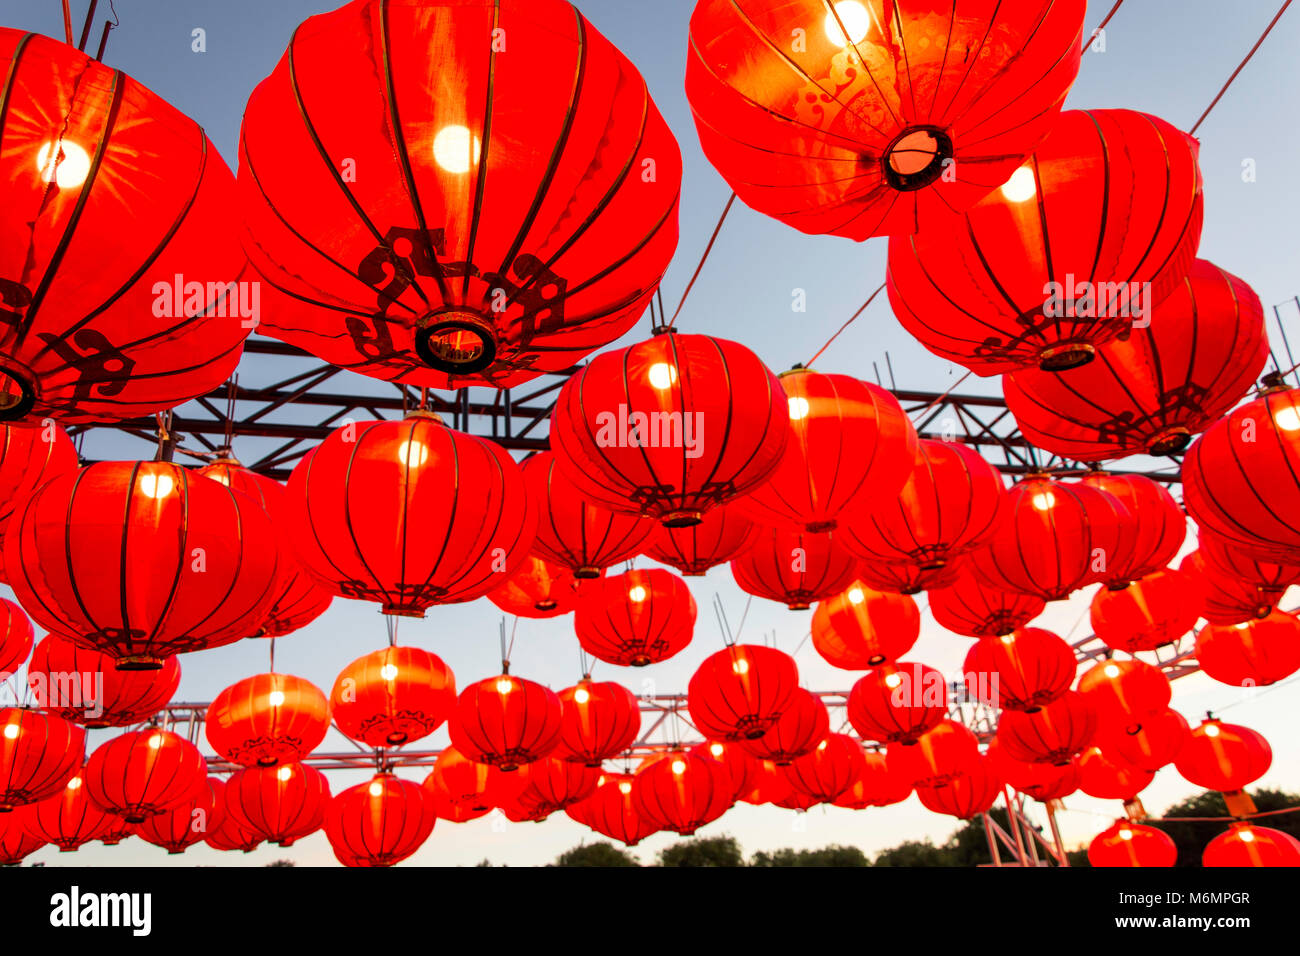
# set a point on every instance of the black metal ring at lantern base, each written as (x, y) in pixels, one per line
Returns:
(437, 327)
(26, 398)
(908, 182)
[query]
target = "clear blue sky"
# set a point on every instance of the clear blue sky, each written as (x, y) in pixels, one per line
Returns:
(1168, 57)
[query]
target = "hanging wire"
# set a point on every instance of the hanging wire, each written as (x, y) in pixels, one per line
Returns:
(721, 614)
(1240, 66)
(704, 258)
(507, 648)
(1101, 26)
(871, 298)
(741, 626)
(272, 642)
(584, 663)
(391, 622)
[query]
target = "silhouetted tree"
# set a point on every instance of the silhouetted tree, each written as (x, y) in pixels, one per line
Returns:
(827, 856)
(282, 863)
(703, 851)
(596, 854)
(914, 853)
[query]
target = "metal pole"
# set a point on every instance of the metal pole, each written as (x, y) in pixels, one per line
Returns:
(67, 22)
(1015, 829)
(1056, 833)
(993, 844)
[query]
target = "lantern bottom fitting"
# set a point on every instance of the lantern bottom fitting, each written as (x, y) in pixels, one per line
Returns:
(455, 341)
(1065, 356)
(402, 610)
(916, 157)
(546, 604)
(1170, 441)
(17, 395)
(139, 662)
(585, 573)
(682, 519)
(799, 606)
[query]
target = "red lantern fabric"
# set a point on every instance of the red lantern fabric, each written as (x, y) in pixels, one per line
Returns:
(280, 804)
(230, 836)
(1041, 781)
(126, 291)
(848, 438)
(740, 692)
(69, 819)
(966, 796)
(1121, 692)
(795, 567)
(1229, 571)
(1131, 844)
(537, 589)
(937, 757)
(612, 812)
(378, 823)
(1227, 598)
(1156, 532)
(553, 784)
(877, 786)
(1087, 237)
(855, 129)
(181, 827)
(598, 720)
(861, 627)
(1253, 653)
(670, 427)
(803, 724)
(1029, 669)
(722, 534)
(470, 789)
(16, 636)
(637, 618)
(186, 564)
(506, 721)
(973, 608)
(142, 773)
(1245, 844)
(267, 719)
(1155, 743)
(29, 457)
(83, 686)
(1106, 778)
(393, 696)
(39, 754)
(446, 807)
(1224, 757)
(769, 785)
(18, 836)
(909, 578)
(735, 756)
(1151, 389)
(409, 514)
(682, 792)
(1053, 734)
(898, 702)
(828, 769)
(1154, 610)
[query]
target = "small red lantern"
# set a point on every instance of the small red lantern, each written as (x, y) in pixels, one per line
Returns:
(143, 773)
(470, 789)
(1218, 559)
(39, 754)
(908, 578)
(1154, 610)
(1131, 844)
(18, 836)
(598, 720)
(722, 534)
(966, 796)
(1030, 668)
(1156, 532)
(1227, 598)
(378, 823)
(937, 757)
(393, 696)
(611, 811)
(1106, 778)
(1152, 745)
(506, 721)
(181, 827)
(877, 786)
(1122, 692)
(537, 589)
(970, 607)
(733, 755)
(84, 687)
(1224, 757)
(794, 567)
(267, 719)
(637, 618)
(29, 457)
(1053, 734)
(828, 769)
(1041, 781)
(69, 819)
(230, 835)
(898, 702)
(740, 692)
(861, 627)
(280, 804)
(1253, 653)
(803, 724)
(16, 636)
(553, 784)
(682, 792)
(1245, 844)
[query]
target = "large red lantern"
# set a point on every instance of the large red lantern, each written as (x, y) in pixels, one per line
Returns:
(877, 786)
(598, 720)
(19, 837)
(1052, 734)
(795, 567)
(612, 812)
(1154, 610)
(973, 608)
(1078, 244)
(1131, 844)
(506, 721)
(1235, 580)
(393, 696)
(1122, 692)
(537, 589)
(803, 724)
(848, 439)
(185, 564)
(1152, 745)
(637, 618)
(741, 691)
(966, 796)
(83, 686)
(1029, 668)
(909, 578)
(722, 534)
(39, 754)
(671, 427)
(181, 827)
(1156, 532)
(736, 757)
(380, 822)
(1150, 390)
(860, 627)
(29, 457)
(69, 819)
(1106, 778)
(857, 127)
(1253, 653)
(280, 804)
(937, 757)
(409, 514)
(143, 773)
(1224, 757)
(1245, 844)
(460, 239)
(828, 769)
(683, 791)
(16, 636)
(898, 702)
(122, 294)
(1041, 781)
(267, 719)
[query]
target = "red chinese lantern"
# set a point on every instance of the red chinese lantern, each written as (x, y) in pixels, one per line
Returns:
(69, 819)
(670, 427)
(39, 754)
(861, 627)
(937, 757)
(230, 835)
(181, 827)
(16, 635)
(848, 438)
(506, 721)
(1131, 844)
(877, 786)
(1153, 744)
(909, 578)
(82, 685)
(598, 720)
(1156, 532)
(898, 702)
(857, 127)
(769, 785)
(29, 457)
(1054, 538)
(972, 608)
(1237, 580)
(378, 823)
(949, 505)
(1150, 390)
(1253, 653)
(393, 696)
(803, 724)
(1122, 692)
(795, 567)
(143, 773)
(828, 769)
(471, 243)
(637, 618)
(446, 807)
(463, 789)
(267, 719)
(740, 692)
(119, 832)
(1041, 781)
(280, 804)
(1053, 734)
(18, 836)
(124, 292)
(1224, 757)
(966, 796)
(409, 514)
(1106, 778)
(186, 564)
(722, 534)
(1241, 480)
(611, 811)
(1154, 610)
(682, 792)
(553, 784)
(1029, 668)
(1245, 844)
(537, 589)
(1086, 238)
(1226, 597)
(735, 756)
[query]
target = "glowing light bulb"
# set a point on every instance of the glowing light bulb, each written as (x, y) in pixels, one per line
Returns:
(1043, 500)
(850, 20)
(740, 666)
(716, 749)
(1287, 418)
(637, 594)
(413, 453)
(822, 745)
(893, 680)
(74, 783)
(581, 695)
(679, 767)
(452, 150)
(1126, 834)
(1211, 730)
(625, 788)
(505, 685)
(662, 375)
(388, 672)
(1111, 671)
(1008, 639)
(1021, 186)
(1246, 836)
(156, 486)
(856, 596)
(1243, 626)
(155, 742)
(11, 731)
(600, 781)
(284, 773)
(69, 170)
(798, 408)
(276, 698)
(376, 789)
